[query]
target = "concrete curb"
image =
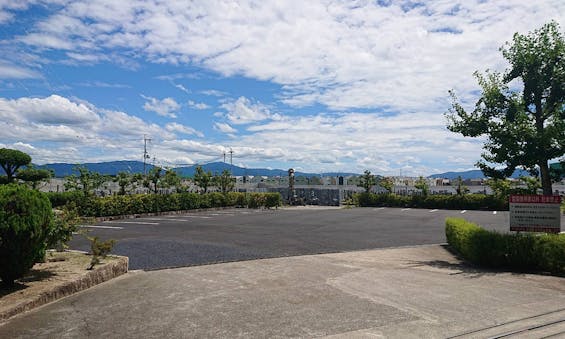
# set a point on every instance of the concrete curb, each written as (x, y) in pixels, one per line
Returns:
(94, 277)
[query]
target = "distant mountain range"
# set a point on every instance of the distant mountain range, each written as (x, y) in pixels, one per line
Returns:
(473, 174)
(113, 167)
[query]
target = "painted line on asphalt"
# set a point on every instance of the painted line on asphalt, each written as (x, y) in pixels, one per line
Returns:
(100, 226)
(463, 211)
(196, 216)
(494, 212)
(405, 209)
(379, 209)
(133, 222)
(433, 211)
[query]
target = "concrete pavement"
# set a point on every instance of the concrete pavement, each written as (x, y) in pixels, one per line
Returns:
(410, 292)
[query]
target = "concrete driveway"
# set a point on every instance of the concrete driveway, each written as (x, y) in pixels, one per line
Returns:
(413, 292)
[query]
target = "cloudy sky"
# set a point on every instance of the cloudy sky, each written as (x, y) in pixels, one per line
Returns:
(314, 85)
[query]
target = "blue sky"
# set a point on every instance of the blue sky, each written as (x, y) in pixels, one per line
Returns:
(316, 85)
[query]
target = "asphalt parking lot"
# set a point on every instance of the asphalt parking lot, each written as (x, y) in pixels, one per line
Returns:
(208, 237)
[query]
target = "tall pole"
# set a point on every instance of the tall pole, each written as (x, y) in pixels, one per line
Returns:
(145, 155)
(231, 161)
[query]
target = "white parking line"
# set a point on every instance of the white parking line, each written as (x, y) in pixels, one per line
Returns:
(433, 211)
(379, 209)
(133, 222)
(196, 216)
(463, 211)
(100, 226)
(405, 209)
(494, 212)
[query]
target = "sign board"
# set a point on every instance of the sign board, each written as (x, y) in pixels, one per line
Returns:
(535, 213)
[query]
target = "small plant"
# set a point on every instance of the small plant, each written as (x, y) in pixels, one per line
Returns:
(65, 223)
(99, 249)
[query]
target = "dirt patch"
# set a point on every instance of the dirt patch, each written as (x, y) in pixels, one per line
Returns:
(62, 274)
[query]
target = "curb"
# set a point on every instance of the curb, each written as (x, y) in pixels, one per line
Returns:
(94, 277)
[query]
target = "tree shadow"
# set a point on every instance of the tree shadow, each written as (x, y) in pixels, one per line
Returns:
(36, 275)
(468, 270)
(6, 290)
(20, 284)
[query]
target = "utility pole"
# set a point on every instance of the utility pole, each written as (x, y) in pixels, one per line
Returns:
(231, 161)
(145, 155)
(224, 157)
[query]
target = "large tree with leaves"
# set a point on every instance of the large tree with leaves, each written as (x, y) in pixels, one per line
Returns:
(11, 160)
(367, 181)
(524, 128)
(202, 179)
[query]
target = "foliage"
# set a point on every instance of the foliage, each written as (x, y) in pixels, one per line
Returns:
(460, 188)
(99, 250)
(522, 251)
(387, 183)
(224, 181)
(33, 176)
(11, 160)
(155, 203)
(65, 223)
(523, 129)
(86, 181)
(422, 184)
(126, 181)
(170, 179)
(153, 179)
(439, 201)
(367, 181)
(202, 179)
(503, 188)
(25, 225)
(59, 199)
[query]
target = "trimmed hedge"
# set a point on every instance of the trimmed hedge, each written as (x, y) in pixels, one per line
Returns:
(59, 199)
(518, 251)
(450, 202)
(153, 203)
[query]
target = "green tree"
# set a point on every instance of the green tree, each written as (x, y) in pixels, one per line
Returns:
(170, 179)
(523, 128)
(387, 183)
(11, 160)
(202, 179)
(86, 181)
(33, 175)
(460, 188)
(367, 181)
(153, 179)
(224, 181)
(126, 181)
(422, 184)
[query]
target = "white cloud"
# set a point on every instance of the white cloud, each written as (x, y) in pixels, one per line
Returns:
(175, 127)
(341, 55)
(166, 107)
(243, 111)
(224, 128)
(182, 88)
(197, 105)
(10, 71)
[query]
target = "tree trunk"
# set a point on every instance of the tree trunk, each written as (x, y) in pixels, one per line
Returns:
(545, 178)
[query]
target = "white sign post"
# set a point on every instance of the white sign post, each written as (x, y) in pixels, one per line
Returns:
(535, 213)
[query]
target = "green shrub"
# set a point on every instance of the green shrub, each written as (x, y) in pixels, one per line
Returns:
(273, 200)
(468, 201)
(520, 251)
(59, 199)
(25, 224)
(90, 206)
